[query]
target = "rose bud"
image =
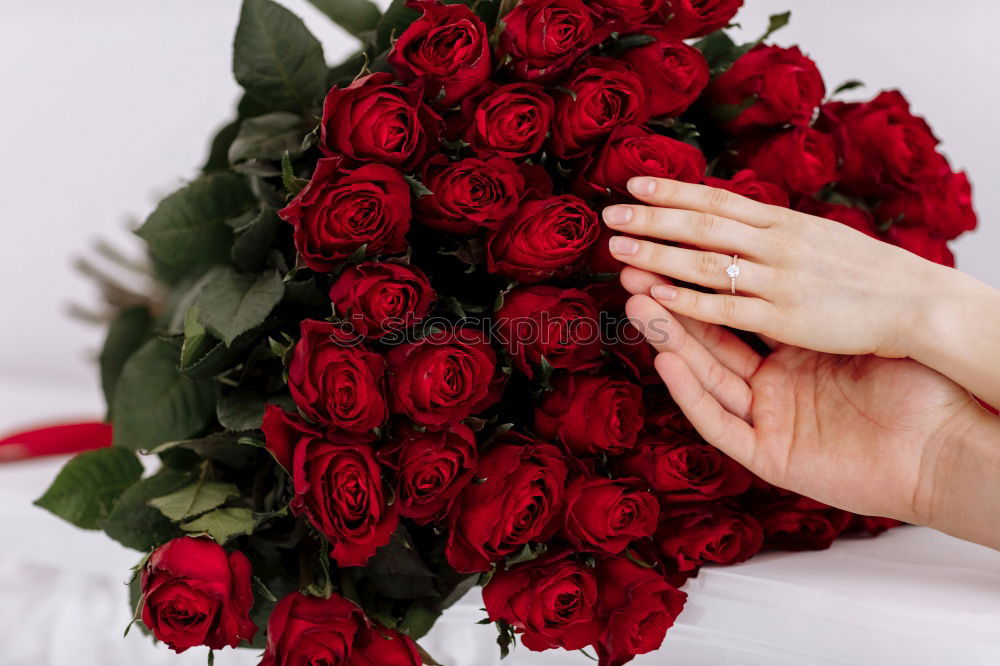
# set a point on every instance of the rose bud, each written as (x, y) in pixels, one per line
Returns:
(591, 415)
(546, 238)
(691, 535)
(627, 15)
(635, 151)
(470, 194)
(335, 381)
(603, 94)
(873, 525)
(431, 469)
(338, 486)
(551, 602)
(444, 377)
(338, 211)
(673, 73)
(697, 18)
(376, 298)
(446, 51)
(746, 183)
(801, 160)
(310, 629)
(608, 515)
(638, 606)
(799, 523)
(374, 120)
(542, 38)
(516, 499)
(921, 242)
(781, 86)
(511, 121)
(684, 469)
(855, 218)
(194, 593)
(561, 325)
(943, 207)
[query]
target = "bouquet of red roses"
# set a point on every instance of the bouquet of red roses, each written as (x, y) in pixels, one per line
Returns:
(390, 362)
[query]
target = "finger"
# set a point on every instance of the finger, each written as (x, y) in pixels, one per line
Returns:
(666, 334)
(709, 232)
(718, 427)
(744, 313)
(637, 281)
(711, 200)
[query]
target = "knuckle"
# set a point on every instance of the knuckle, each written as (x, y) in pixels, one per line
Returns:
(717, 200)
(707, 264)
(728, 308)
(704, 225)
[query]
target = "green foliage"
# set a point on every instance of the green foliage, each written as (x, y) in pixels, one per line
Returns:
(223, 524)
(129, 330)
(194, 500)
(240, 411)
(233, 302)
(255, 240)
(394, 21)
(86, 489)
(135, 524)
(354, 16)
(267, 137)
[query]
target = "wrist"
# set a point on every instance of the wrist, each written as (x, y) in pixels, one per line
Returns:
(934, 313)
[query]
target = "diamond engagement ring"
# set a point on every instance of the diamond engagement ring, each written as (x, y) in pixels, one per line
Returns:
(733, 271)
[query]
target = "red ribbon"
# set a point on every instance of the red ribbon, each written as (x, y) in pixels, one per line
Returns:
(55, 440)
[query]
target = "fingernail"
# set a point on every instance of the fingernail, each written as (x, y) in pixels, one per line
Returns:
(617, 214)
(623, 245)
(662, 292)
(641, 186)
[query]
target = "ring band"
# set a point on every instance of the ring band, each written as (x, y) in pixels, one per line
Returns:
(733, 271)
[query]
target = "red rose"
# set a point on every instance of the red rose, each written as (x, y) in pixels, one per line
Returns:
(636, 354)
(694, 534)
(673, 73)
(696, 18)
(799, 523)
(376, 298)
(625, 14)
(374, 120)
(511, 121)
(591, 414)
(746, 183)
(921, 242)
(608, 514)
(341, 210)
(561, 325)
(516, 499)
(194, 593)
(431, 469)
(781, 86)
(684, 469)
(884, 146)
(603, 94)
(638, 606)
(856, 218)
(944, 207)
(338, 486)
(636, 151)
(336, 384)
(542, 38)
(382, 646)
(801, 160)
(545, 238)
(873, 525)
(470, 194)
(551, 602)
(446, 51)
(444, 377)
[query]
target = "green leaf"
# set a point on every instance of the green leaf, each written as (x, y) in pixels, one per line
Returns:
(135, 524)
(225, 447)
(194, 500)
(155, 403)
(267, 137)
(848, 85)
(218, 153)
(775, 23)
(234, 302)
(354, 16)
(293, 184)
(240, 411)
(129, 330)
(418, 620)
(223, 524)
(188, 229)
(256, 239)
(277, 60)
(86, 489)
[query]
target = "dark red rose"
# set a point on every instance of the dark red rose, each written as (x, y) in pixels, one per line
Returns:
(856, 218)
(621, 15)
(335, 381)
(511, 121)
(542, 38)
(444, 377)
(801, 160)
(921, 242)
(561, 325)
(382, 646)
(781, 86)
(516, 499)
(638, 606)
(884, 146)
(607, 514)
(338, 486)
(636, 151)
(551, 602)
(341, 210)
(800, 523)
(944, 207)
(685, 469)
(375, 120)
(636, 354)
(375, 298)
(446, 51)
(194, 593)
(696, 18)
(591, 414)
(873, 525)
(431, 469)
(691, 535)
(603, 94)
(546, 238)
(747, 184)
(673, 73)
(471, 194)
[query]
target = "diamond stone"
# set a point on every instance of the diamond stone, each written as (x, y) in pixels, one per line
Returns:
(733, 270)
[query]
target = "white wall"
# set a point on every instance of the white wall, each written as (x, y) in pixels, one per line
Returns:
(106, 105)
